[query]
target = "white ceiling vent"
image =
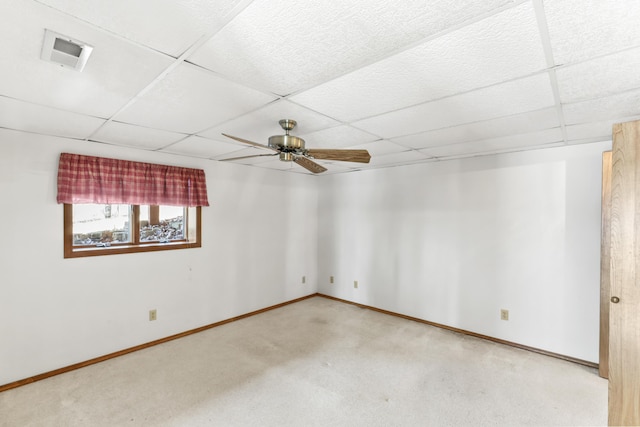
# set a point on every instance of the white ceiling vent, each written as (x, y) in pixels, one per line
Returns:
(65, 51)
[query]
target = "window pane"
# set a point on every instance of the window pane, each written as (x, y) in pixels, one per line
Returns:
(164, 226)
(101, 224)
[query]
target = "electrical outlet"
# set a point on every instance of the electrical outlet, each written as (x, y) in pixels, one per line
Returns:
(153, 314)
(304, 279)
(504, 314)
(355, 284)
(330, 279)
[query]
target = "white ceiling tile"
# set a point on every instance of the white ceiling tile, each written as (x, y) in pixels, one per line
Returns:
(499, 48)
(29, 117)
(115, 71)
(507, 125)
(202, 147)
(404, 157)
(581, 29)
(341, 167)
(450, 78)
(249, 151)
(337, 137)
(304, 44)
(380, 148)
(504, 143)
(191, 99)
(529, 94)
(601, 130)
(276, 164)
(260, 124)
(170, 26)
(501, 151)
(135, 136)
(600, 77)
(612, 107)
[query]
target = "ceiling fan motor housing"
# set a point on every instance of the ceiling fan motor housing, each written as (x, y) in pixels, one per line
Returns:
(287, 144)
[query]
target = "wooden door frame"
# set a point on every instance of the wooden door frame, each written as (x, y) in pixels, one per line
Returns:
(605, 265)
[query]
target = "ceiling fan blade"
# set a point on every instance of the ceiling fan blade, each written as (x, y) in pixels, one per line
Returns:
(309, 165)
(360, 156)
(246, 157)
(246, 141)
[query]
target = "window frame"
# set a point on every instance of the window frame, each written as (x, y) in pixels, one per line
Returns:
(193, 240)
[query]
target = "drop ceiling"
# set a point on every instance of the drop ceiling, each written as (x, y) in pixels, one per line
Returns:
(410, 81)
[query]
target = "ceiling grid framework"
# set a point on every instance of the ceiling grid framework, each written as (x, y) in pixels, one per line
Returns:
(410, 82)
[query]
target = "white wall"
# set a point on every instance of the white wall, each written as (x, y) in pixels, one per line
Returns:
(449, 242)
(259, 239)
(454, 242)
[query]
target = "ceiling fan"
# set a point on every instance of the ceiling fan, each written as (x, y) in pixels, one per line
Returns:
(291, 149)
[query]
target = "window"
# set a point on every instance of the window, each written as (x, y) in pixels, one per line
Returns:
(118, 206)
(102, 229)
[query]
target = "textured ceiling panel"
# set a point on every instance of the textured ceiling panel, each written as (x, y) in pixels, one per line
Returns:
(303, 44)
(596, 130)
(454, 78)
(340, 167)
(29, 117)
(259, 125)
(600, 77)
(505, 143)
(581, 29)
(507, 125)
(135, 136)
(532, 93)
(115, 72)
(191, 99)
(622, 105)
(405, 157)
(289, 167)
(380, 148)
(201, 147)
(337, 137)
(250, 151)
(496, 49)
(170, 26)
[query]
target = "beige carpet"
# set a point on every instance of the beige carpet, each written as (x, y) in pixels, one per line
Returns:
(317, 362)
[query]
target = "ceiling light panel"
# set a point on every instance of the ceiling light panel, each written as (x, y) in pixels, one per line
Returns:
(507, 125)
(600, 77)
(170, 26)
(581, 29)
(612, 107)
(115, 72)
(260, 124)
(496, 49)
(25, 116)
(519, 96)
(302, 45)
(190, 99)
(135, 136)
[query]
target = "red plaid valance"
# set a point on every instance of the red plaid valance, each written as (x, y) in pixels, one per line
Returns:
(87, 179)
